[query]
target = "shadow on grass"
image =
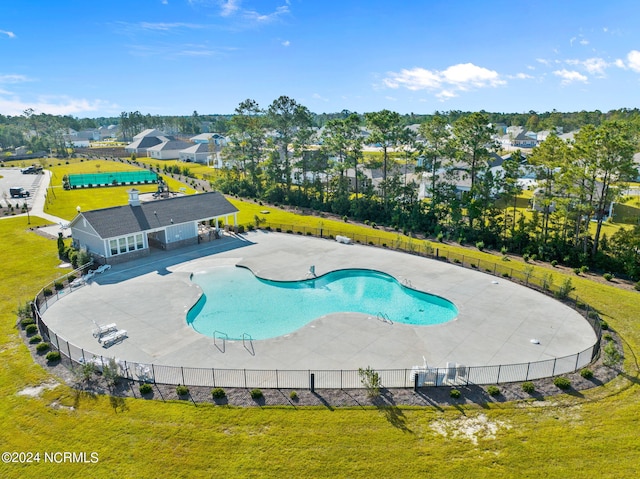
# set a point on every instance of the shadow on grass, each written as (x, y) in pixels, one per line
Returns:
(323, 401)
(392, 413)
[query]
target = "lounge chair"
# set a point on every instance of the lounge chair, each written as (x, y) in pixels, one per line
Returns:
(101, 330)
(451, 372)
(112, 338)
(103, 268)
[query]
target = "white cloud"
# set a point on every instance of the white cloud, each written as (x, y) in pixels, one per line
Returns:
(268, 17)
(7, 33)
(14, 78)
(584, 42)
(229, 7)
(543, 61)
(570, 76)
(593, 66)
(619, 63)
(633, 59)
(286, 43)
(54, 105)
(317, 96)
(461, 77)
(520, 76)
(165, 27)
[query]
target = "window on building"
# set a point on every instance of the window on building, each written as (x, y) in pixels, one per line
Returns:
(123, 245)
(113, 245)
(139, 242)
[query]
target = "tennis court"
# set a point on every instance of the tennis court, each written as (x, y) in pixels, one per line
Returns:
(112, 178)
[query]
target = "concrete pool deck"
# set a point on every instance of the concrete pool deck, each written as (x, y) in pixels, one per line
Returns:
(149, 298)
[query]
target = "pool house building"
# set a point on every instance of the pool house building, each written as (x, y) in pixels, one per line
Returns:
(122, 233)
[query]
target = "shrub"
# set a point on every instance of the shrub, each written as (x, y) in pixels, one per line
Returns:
(586, 373)
(554, 263)
(504, 250)
(636, 286)
(528, 387)
(35, 339)
(565, 288)
(480, 245)
(562, 382)
(455, 394)
(43, 347)
(146, 388)
(534, 257)
(241, 229)
(607, 276)
(606, 337)
(345, 218)
(584, 268)
(526, 257)
(604, 324)
(58, 285)
(440, 237)
(27, 321)
(256, 394)
(182, 390)
(53, 356)
(576, 271)
(47, 292)
(293, 396)
(505, 275)
(456, 261)
(218, 393)
(493, 390)
(611, 354)
(31, 328)
(370, 379)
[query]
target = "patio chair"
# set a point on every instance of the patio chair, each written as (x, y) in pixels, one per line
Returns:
(112, 338)
(101, 330)
(103, 268)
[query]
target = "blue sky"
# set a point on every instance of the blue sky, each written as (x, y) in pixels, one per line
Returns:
(171, 57)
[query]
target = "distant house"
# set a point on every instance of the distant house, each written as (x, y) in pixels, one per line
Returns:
(207, 138)
(118, 234)
(143, 141)
(198, 153)
(518, 137)
(80, 139)
(168, 149)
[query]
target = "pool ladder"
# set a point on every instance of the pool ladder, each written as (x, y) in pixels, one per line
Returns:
(223, 337)
(384, 317)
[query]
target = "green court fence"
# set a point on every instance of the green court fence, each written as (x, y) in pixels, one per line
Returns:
(116, 178)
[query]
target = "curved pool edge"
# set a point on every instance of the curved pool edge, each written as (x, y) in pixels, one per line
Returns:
(430, 298)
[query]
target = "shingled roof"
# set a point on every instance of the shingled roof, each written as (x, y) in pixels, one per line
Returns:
(125, 220)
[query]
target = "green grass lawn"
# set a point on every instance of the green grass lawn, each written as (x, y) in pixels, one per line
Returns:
(64, 203)
(591, 434)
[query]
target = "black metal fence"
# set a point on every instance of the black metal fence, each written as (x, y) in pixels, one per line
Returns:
(454, 374)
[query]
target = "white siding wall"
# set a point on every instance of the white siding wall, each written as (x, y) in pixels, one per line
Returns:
(181, 232)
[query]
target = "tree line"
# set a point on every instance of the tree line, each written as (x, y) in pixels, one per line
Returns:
(277, 155)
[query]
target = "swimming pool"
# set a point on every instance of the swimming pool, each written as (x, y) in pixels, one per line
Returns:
(236, 302)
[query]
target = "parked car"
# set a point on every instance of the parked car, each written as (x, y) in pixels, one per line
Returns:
(31, 170)
(18, 192)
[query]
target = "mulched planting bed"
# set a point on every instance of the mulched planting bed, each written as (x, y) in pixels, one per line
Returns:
(333, 398)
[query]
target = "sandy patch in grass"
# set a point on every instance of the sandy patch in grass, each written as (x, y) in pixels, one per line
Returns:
(35, 391)
(469, 427)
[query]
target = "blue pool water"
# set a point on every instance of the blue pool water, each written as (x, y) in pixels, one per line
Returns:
(236, 302)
